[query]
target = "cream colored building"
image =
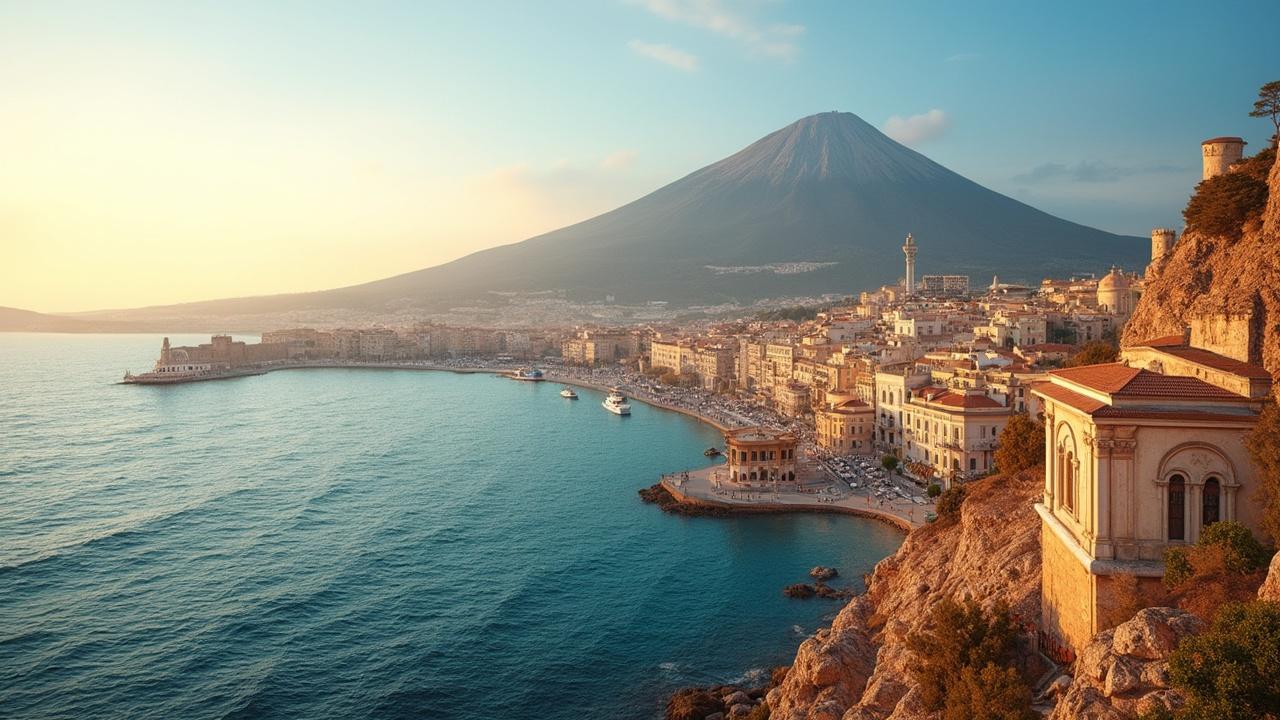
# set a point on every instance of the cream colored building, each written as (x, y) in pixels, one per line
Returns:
(1137, 461)
(845, 425)
(759, 456)
(953, 431)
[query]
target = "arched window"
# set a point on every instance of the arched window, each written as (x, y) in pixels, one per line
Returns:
(1210, 503)
(1069, 481)
(1177, 507)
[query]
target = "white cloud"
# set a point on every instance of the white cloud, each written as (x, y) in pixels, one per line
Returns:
(777, 40)
(917, 128)
(665, 54)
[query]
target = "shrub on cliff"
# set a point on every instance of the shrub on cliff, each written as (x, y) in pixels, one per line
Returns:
(1021, 445)
(1263, 443)
(992, 693)
(949, 502)
(1222, 205)
(960, 636)
(1231, 672)
(1225, 565)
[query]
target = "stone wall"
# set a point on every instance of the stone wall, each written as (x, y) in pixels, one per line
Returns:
(1066, 592)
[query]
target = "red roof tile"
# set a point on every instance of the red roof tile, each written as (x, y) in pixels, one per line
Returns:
(1218, 362)
(1162, 341)
(1123, 381)
(1061, 394)
(1108, 378)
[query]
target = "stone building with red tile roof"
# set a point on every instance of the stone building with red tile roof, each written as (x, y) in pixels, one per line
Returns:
(1140, 456)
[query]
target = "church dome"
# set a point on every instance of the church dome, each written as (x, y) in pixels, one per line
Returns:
(1114, 280)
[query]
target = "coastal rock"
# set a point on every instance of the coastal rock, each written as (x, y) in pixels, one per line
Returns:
(799, 591)
(1122, 672)
(823, 573)
(859, 667)
(737, 698)
(1270, 589)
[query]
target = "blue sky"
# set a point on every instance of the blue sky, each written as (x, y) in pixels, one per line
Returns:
(382, 137)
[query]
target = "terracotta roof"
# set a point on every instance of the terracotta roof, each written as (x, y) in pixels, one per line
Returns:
(965, 400)
(1219, 362)
(1162, 341)
(1061, 394)
(1225, 138)
(1107, 378)
(1124, 381)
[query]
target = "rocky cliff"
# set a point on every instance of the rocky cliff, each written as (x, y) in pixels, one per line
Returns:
(857, 669)
(1218, 276)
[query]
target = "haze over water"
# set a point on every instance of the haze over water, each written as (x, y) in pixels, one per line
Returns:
(382, 544)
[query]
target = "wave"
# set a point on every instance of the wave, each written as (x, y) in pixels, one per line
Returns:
(140, 525)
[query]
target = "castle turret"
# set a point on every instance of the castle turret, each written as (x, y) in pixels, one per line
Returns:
(909, 249)
(164, 353)
(1219, 154)
(1162, 240)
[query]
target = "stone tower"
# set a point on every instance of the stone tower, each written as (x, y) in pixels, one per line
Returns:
(1162, 240)
(909, 249)
(1219, 153)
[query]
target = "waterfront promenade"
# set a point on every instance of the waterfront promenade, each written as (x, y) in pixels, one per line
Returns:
(707, 486)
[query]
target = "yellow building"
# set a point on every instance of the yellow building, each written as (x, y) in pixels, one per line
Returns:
(759, 456)
(677, 356)
(1137, 461)
(954, 431)
(845, 425)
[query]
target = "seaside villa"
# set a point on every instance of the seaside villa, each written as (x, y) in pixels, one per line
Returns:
(1140, 456)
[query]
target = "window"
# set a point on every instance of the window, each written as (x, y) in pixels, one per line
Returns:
(1177, 507)
(1069, 482)
(1210, 503)
(973, 464)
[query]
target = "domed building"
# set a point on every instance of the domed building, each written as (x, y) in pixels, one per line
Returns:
(1116, 294)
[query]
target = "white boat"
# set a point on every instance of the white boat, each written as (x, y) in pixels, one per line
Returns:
(616, 403)
(528, 375)
(568, 393)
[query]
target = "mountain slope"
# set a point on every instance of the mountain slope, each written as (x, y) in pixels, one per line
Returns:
(829, 188)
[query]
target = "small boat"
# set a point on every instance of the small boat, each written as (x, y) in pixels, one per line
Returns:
(711, 452)
(616, 403)
(528, 375)
(568, 393)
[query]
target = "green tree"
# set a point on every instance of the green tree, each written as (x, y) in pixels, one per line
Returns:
(1231, 672)
(960, 635)
(934, 490)
(1021, 445)
(1263, 444)
(1093, 353)
(992, 693)
(889, 462)
(1222, 204)
(1268, 104)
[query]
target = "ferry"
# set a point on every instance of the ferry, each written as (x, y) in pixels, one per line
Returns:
(568, 393)
(528, 375)
(616, 403)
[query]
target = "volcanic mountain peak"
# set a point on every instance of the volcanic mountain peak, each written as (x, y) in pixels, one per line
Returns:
(826, 146)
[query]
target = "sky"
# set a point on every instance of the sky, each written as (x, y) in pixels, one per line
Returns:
(160, 152)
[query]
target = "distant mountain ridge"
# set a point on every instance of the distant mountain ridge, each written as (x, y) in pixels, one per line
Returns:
(829, 189)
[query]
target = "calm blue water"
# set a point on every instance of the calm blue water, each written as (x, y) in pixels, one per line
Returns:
(368, 544)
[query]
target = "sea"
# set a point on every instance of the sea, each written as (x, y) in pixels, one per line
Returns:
(358, 543)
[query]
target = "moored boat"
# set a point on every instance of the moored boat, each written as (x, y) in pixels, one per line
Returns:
(568, 393)
(616, 403)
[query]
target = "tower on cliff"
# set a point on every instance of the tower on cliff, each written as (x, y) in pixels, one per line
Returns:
(1219, 154)
(1162, 240)
(909, 249)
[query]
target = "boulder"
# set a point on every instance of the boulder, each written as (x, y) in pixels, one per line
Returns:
(1123, 672)
(737, 698)
(822, 572)
(740, 710)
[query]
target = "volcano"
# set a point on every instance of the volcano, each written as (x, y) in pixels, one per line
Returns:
(822, 205)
